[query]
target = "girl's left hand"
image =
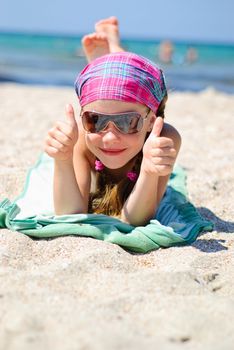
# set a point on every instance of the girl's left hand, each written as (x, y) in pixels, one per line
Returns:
(159, 154)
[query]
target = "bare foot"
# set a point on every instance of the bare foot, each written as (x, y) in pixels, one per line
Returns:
(95, 45)
(110, 27)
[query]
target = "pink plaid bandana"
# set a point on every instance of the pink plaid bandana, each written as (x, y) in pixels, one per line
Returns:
(121, 76)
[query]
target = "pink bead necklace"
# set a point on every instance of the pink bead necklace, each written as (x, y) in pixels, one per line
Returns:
(131, 175)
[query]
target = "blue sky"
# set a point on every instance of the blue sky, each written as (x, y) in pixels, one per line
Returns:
(202, 20)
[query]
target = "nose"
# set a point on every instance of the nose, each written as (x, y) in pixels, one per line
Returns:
(111, 135)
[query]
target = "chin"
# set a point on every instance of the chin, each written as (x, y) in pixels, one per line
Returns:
(113, 163)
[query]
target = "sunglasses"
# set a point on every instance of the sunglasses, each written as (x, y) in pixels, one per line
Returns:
(126, 123)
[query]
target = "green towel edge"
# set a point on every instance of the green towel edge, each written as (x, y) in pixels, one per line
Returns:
(135, 239)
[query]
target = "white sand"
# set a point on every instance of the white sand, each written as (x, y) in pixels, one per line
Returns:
(80, 293)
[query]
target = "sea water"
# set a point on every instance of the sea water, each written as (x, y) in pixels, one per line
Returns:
(56, 60)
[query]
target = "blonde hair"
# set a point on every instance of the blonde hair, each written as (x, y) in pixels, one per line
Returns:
(110, 196)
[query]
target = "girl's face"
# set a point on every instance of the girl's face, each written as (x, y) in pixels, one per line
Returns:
(113, 148)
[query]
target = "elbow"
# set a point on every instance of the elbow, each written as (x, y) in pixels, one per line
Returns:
(137, 220)
(70, 211)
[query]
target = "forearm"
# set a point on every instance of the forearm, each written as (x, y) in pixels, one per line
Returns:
(67, 196)
(141, 204)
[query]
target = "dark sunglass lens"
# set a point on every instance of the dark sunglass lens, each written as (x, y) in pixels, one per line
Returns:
(122, 123)
(90, 120)
(102, 122)
(132, 123)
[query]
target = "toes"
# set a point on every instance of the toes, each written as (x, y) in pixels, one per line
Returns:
(101, 36)
(94, 37)
(109, 20)
(113, 20)
(87, 39)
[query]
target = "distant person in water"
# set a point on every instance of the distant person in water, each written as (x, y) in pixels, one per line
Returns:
(120, 139)
(191, 55)
(166, 51)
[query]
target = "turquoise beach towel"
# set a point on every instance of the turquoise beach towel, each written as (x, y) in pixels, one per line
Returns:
(176, 222)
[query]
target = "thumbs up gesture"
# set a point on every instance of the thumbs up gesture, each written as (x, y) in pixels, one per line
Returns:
(159, 153)
(62, 138)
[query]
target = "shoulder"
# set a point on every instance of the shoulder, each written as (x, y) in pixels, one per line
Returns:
(172, 133)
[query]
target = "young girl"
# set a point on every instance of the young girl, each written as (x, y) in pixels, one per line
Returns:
(119, 143)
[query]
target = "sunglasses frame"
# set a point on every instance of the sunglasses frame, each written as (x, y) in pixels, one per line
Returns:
(113, 115)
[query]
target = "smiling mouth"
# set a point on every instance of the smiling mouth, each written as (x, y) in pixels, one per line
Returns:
(112, 151)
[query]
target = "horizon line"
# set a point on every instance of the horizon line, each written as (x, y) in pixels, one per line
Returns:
(185, 40)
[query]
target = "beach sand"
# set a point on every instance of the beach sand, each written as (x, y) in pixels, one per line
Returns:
(81, 293)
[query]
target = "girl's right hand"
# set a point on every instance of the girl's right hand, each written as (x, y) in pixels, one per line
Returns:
(61, 139)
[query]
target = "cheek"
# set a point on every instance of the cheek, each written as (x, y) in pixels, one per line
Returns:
(92, 140)
(143, 134)
(137, 142)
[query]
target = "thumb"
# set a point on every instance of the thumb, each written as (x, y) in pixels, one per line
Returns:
(70, 115)
(157, 127)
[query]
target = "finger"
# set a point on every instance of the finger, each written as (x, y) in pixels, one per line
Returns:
(157, 127)
(65, 128)
(51, 151)
(70, 115)
(162, 142)
(163, 152)
(163, 160)
(56, 134)
(57, 145)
